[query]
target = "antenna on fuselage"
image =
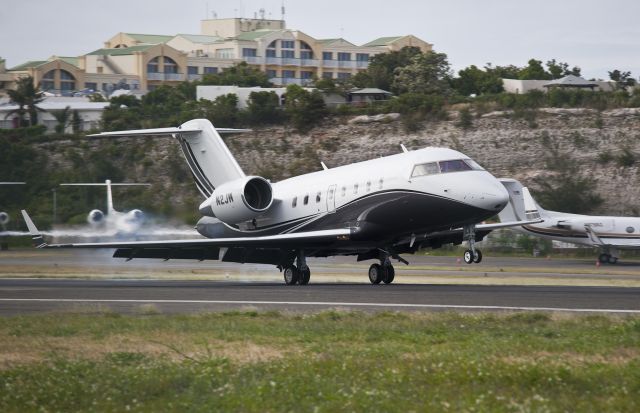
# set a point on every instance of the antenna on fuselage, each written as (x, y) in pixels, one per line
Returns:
(404, 148)
(323, 166)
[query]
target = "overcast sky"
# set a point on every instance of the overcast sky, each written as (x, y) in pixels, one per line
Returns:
(596, 35)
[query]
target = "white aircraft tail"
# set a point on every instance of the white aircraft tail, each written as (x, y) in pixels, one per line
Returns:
(108, 184)
(208, 157)
(521, 205)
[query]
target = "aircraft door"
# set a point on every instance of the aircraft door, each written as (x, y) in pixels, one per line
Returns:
(331, 199)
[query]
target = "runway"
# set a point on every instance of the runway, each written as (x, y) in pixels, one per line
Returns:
(130, 296)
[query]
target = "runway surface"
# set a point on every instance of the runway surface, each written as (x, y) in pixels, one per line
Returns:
(30, 295)
(36, 280)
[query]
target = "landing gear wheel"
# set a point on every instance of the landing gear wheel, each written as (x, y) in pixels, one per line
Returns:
(375, 273)
(291, 275)
(613, 260)
(389, 274)
(305, 276)
(604, 258)
(468, 256)
(478, 258)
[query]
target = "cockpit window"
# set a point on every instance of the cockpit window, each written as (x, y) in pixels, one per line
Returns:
(454, 166)
(474, 165)
(425, 169)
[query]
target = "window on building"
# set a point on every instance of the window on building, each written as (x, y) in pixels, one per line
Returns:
(271, 52)
(91, 85)
(327, 75)
(327, 55)
(247, 52)
(287, 44)
(272, 73)
(67, 81)
(362, 57)
(344, 75)
(306, 75)
(170, 65)
(153, 65)
(306, 54)
(192, 70)
(344, 57)
(48, 80)
(304, 46)
(288, 54)
(225, 53)
(289, 74)
(209, 70)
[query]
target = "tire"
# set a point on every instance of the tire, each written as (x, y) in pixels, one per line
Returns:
(305, 276)
(613, 260)
(468, 256)
(478, 258)
(291, 275)
(604, 258)
(375, 273)
(389, 274)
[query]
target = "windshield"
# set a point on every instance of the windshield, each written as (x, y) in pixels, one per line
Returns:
(455, 165)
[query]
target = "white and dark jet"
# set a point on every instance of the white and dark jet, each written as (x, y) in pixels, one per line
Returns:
(609, 234)
(123, 223)
(375, 210)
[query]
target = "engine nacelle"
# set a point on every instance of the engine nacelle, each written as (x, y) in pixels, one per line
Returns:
(135, 215)
(4, 218)
(95, 217)
(240, 200)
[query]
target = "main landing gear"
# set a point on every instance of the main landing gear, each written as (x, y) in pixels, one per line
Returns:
(383, 272)
(609, 257)
(300, 274)
(471, 255)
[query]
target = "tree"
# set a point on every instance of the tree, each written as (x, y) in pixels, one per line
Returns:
(622, 79)
(241, 75)
(382, 67)
(473, 80)
(27, 97)
(304, 109)
(264, 108)
(427, 73)
(558, 70)
(63, 117)
(534, 71)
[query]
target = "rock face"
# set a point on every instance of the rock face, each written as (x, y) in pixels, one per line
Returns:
(505, 144)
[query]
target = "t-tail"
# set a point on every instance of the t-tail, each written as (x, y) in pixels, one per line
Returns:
(209, 159)
(521, 205)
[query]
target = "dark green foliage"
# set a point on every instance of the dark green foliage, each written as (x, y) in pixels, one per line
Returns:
(264, 108)
(304, 109)
(27, 97)
(426, 73)
(382, 68)
(626, 158)
(566, 189)
(241, 74)
(473, 80)
(465, 119)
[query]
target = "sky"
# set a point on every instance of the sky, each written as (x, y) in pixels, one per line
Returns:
(596, 35)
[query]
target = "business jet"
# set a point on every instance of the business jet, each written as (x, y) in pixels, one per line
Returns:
(119, 222)
(608, 233)
(4, 216)
(375, 210)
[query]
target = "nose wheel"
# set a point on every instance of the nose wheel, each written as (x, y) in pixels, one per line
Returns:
(471, 255)
(471, 258)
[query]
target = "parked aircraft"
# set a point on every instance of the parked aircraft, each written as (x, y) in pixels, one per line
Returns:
(609, 233)
(375, 210)
(4, 216)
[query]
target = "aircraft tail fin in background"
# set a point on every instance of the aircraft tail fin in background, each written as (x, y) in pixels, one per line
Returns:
(210, 161)
(521, 205)
(108, 184)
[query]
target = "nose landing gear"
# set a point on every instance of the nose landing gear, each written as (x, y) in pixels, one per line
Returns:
(471, 255)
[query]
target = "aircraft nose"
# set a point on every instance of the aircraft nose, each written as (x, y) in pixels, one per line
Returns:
(491, 195)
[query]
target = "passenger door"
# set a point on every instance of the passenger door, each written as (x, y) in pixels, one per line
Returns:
(331, 199)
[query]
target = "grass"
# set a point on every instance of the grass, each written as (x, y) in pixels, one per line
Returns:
(326, 362)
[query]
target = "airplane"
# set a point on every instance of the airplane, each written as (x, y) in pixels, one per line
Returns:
(608, 233)
(375, 210)
(122, 222)
(4, 216)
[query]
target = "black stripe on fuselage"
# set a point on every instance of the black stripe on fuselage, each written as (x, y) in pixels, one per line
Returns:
(553, 233)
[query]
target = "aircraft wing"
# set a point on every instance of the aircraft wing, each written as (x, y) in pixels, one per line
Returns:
(204, 248)
(483, 228)
(165, 131)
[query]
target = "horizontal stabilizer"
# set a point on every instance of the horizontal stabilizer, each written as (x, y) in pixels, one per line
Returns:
(166, 131)
(12, 183)
(36, 236)
(105, 184)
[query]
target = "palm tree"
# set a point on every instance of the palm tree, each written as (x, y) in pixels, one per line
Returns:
(62, 116)
(27, 97)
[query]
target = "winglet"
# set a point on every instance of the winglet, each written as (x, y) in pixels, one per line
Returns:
(530, 208)
(38, 241)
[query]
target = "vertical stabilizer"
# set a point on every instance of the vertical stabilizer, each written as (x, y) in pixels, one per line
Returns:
(110, 209)
(209, 159)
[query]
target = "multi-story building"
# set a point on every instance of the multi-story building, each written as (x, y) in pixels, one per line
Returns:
(143, 61)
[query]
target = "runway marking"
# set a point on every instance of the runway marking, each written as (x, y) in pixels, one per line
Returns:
(328, 303)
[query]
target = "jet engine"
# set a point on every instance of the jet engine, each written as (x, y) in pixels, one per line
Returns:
(135, 215)
(95, 217)
(240, 200)
(4, 218)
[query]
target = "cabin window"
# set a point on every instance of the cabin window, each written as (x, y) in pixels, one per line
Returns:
(368, 186)
(344, 190)
(306, 199)
(456, 165)
(630, 230)
(380, 182)
(355, 189)
(424, 169)
(318, 196)
(294, 202)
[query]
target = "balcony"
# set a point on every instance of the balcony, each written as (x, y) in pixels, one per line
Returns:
(284, 81)
(310, 62)
(166, 76)
(362, 64)
(347, 64)
(193, 77)
(254, 60)
(330, 63)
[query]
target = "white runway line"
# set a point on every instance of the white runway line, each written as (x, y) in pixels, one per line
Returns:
(326, 304)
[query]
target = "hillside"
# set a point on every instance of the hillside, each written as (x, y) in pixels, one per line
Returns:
(603, 144)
